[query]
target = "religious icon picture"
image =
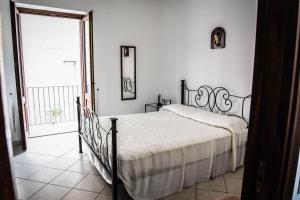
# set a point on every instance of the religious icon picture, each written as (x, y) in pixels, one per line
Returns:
(218, 37)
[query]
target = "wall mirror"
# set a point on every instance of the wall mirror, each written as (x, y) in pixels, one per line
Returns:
(128, 72)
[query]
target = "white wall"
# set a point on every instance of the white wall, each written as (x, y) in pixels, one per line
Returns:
(187, 29)
(173, 42)
(46, 57)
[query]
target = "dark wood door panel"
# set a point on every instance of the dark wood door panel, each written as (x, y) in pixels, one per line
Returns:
(87, 63)
(19, 72)
(272, 108)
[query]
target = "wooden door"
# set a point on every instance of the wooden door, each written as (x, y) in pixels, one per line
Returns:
(274, 129)
(19, 72)
(7, 189)
(87, 57)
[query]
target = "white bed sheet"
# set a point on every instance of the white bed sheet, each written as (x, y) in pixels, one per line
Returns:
(159, 153)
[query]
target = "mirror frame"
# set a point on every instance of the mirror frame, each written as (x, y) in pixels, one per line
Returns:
(121, 55)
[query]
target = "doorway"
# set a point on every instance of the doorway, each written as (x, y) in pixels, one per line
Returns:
(53, 52)
(51, 56)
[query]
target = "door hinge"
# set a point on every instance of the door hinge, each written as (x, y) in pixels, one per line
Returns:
(260, 178)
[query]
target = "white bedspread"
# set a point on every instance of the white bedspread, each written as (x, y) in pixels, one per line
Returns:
(232, 124)
(161, 152)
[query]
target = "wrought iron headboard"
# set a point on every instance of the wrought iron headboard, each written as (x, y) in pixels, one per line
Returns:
(218, 100)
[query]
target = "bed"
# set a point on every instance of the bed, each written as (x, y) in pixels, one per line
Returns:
(159, 153)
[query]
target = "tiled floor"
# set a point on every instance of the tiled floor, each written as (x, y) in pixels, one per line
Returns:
(52, 169)
(48, 129)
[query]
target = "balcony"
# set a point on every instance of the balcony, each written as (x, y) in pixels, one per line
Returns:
(52, 109)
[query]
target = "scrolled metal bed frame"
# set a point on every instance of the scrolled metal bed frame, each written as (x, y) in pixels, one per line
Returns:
(218, 100)
(97, 137)
(88, 129)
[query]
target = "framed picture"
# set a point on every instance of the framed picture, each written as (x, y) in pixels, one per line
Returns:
(128, 72)
(218, 38)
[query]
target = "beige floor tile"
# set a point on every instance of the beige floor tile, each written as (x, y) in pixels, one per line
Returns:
(44, 160)
(104, 197)
(25, 157)
(216, 184)
(62, 163)
(50, 192)
(107, 190)
(57, 151)
(26, 170)
(68, 179)
(27, 188)
(81, 166)
(237, 174)
(16, 165)
(36, 148)
(91, 183)
(234, 185)
(186, 194)
(45, 175)
(80, 195)
(74, 153)
(18, 180)
(95, 171)
(209, 195)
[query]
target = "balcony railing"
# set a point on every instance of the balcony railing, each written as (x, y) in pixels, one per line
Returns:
(52, 104)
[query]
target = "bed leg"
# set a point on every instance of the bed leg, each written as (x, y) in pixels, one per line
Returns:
(80, 144)
(183, 92)
(114, 159)
(78, 120)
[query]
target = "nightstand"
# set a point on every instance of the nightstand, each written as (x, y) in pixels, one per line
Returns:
(156, 106)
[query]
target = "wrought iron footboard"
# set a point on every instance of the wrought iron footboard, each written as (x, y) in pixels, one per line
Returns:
(97, 139)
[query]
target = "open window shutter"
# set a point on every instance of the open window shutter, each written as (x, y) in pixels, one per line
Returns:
(19, 71)
(87, 55)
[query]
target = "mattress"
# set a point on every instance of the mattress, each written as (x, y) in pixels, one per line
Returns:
(160, 153)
